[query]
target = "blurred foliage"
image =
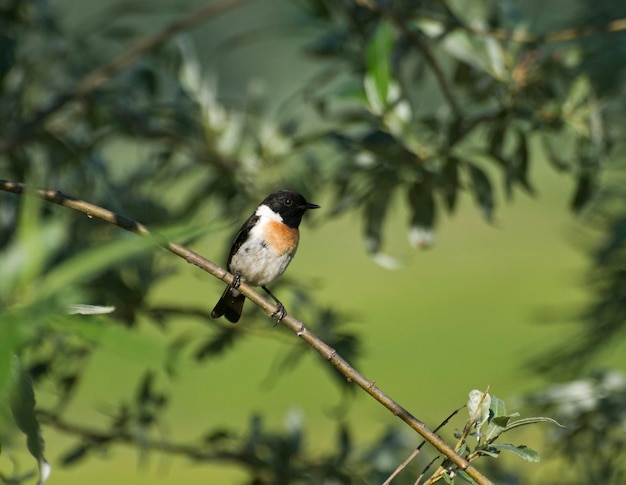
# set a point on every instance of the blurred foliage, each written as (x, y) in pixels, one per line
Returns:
(601, 323)
(592, 440)
(411, 100)
(591, 404)
(435, 104)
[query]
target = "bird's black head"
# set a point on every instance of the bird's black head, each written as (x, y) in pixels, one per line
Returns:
(290, 205)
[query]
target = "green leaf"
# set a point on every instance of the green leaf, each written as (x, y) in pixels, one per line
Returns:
(344, 444)
(22, 404)
(92, 261)
(448, 479)
(470, 13)
(522, 164)
(449, 179)
(585, 188)
(496, 427)
(76, 454)
(483, 53)
(522, 451)
(491, 451)
(526, 421)
(498, 407)
(378, 59)
(423, 213)
(25, 257)
(84, 309)
(578, 94)
(12, 337)
(463, 474)
(483, 191)
(108, 334)
(375, 212)
(218, 343)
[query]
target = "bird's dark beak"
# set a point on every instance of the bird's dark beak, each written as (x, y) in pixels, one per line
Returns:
(310, 206)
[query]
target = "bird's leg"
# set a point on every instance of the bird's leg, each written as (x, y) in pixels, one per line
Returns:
(280, 309)
(236, 281)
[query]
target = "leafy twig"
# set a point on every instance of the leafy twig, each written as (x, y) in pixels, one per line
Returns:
(417, 450)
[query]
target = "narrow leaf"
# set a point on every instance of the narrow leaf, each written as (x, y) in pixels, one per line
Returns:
(463, 474)
(522, 161)
(379, 59)
(526, 421)
(497, 406)
(75, 454)
(83, 309)
(450, 182)
(483, 191)
(92, 261)
(423, 214)
(22, 405)
(495, 428)
(491, 451)
(448, 479)
(375, 212)
(522, 451)
(110, 335)
(585, 187)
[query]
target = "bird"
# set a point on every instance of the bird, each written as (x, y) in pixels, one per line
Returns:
(263, 248)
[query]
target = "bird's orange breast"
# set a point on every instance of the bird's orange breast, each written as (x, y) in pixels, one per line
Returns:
(281, 238)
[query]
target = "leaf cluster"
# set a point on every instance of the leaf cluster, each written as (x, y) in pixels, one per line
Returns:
(592, 441)
(437, 104)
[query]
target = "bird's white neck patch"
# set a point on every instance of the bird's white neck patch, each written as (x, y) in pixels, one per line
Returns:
(264, 212)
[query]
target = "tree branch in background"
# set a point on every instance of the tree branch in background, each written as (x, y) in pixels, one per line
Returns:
(102, 74)
(327, 352)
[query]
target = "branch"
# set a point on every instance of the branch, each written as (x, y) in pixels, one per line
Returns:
(327, 352)
(417, 450)
(102, 74)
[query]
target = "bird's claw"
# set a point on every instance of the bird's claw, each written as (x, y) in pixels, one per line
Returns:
(236, 281)
(280, 312)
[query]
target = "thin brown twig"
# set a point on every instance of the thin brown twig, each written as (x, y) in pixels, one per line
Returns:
(426, 468)
(444, 467)
(472, 421)
(402, 465)
(296, 326)
(103, 73)
(417, 450)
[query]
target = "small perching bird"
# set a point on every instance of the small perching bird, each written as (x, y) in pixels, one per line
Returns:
(263, 249)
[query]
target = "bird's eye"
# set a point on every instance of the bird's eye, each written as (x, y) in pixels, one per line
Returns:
(288, 202)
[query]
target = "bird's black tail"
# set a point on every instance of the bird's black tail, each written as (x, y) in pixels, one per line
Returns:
(230, 305)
